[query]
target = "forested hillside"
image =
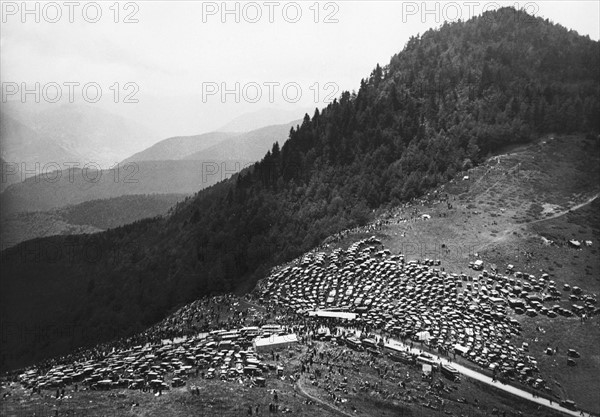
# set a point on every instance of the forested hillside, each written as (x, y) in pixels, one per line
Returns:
(88, 217)
(75, 186)
(246, 148)
(114, 212)
(182, 165)
(451, 97)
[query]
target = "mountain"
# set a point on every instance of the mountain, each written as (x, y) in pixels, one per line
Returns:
(68, 133)
(76, 186)
(115, 212)
(88, 217)
(25, 152)
(247, 147)
(261, 118)
(179, 147)
(23, 147)
(95, 135)
(217, 146)
(183, 170)
(11, 173)
(24, 112)
(443, 104)
(26, 226)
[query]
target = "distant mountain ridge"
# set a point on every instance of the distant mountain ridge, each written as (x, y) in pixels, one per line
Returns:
(180, 165)
(249, 147)
(88, 217)
(20, 144)
(179, 147)
(68, 133)
(78, 186)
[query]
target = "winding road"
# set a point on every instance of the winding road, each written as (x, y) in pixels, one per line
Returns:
(498, 385)
(470, 373)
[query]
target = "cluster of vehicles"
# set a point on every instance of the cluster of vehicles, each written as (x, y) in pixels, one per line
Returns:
(224, 354)
(414, 300)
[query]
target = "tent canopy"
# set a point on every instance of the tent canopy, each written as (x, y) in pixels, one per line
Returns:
(274, 342)
(332, 314)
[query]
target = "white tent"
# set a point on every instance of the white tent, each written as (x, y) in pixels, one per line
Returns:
(275, 342)
(332, 314)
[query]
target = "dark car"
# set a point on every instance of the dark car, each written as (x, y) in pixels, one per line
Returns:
(568, 404)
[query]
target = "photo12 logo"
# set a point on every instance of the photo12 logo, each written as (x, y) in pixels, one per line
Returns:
(453, 11)
(268, 91)
(269, 11)
(53, 172)
(216, 171)
(68, 91)
(69, 11)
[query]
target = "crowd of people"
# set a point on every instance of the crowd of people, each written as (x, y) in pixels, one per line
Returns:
(415, 302)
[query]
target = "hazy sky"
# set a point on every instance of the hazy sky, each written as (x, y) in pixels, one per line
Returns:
(180, 55)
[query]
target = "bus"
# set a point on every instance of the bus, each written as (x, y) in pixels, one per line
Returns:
(393, 349)
(369, 343)
(230, 335)
(251, 329)
(450, 372)
(354, 344)
(250, 333)
(272, 328)
(398, 354)
(427, 359)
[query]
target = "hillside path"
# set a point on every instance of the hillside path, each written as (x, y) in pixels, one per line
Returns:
(562, 213)
(513, 227)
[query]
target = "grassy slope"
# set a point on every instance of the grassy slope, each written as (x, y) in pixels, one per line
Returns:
(499, 214)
